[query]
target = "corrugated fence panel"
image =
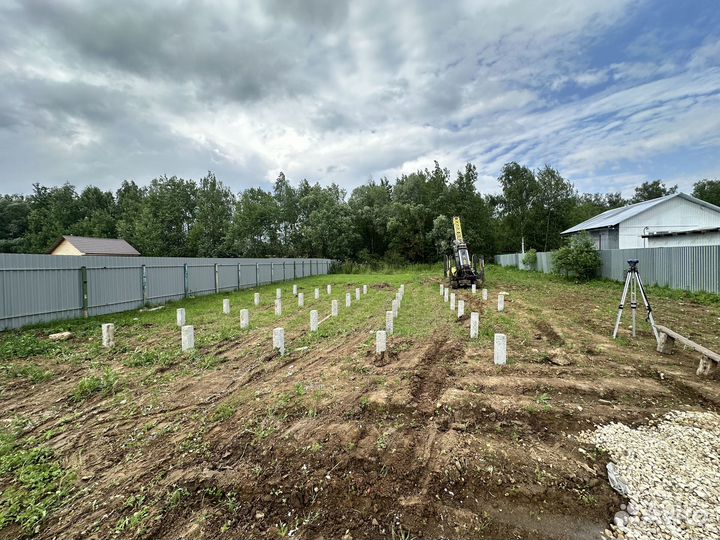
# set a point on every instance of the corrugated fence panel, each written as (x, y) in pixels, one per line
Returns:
(201, 279)
(33, 293)
(227, 277)
(247, 275)
(112, 289)
(690, 268)
(165, 282)
(42, 288)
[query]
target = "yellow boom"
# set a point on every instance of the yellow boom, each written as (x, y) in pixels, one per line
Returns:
(458, 229)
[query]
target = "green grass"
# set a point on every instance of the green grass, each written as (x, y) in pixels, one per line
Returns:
(31, 372)
(34, 482)
(19, 344)
(150, 358)
(105, 384)
(509, 275)
(224, 411)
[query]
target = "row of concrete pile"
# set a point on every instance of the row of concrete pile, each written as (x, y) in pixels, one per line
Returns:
(458, 306)
(187, 332)
(390, 316)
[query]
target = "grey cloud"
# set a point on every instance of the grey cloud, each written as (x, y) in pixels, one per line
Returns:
(333, 91)
(225, 55)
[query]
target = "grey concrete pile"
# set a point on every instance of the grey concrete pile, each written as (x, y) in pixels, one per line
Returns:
(670, 472)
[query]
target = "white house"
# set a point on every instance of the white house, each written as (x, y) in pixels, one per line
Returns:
(644, 224)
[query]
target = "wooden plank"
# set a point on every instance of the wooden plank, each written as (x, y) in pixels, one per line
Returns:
(715, 357)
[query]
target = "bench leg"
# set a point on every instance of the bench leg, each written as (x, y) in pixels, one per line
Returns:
(665, 344)
(706, 366)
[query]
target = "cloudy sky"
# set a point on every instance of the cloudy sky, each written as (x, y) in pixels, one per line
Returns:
(610, 92)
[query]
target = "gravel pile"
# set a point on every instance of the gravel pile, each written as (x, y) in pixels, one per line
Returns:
(670, 472)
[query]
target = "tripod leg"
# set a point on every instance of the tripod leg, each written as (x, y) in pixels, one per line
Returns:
(633, 306)
(622, 304)
(650, 317)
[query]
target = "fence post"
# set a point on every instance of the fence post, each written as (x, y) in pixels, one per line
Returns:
(144, 285)
(84, 289)
(217, 278)
(186, 281)
(284, 276)
(294, 269)
(257, 275)
(239, 272)
(272, 273)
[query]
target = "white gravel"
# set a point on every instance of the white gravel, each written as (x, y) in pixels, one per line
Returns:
(671, 469)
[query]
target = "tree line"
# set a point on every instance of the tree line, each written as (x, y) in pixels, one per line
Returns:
(405, 220)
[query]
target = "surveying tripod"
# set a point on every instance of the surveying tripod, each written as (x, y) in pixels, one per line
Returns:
(633, 283)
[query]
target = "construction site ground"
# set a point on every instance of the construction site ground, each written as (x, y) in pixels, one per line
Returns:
(431, 439)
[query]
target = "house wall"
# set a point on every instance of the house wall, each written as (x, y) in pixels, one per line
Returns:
(65, 248)
(605, 239)
(703, 239)
(676, 214)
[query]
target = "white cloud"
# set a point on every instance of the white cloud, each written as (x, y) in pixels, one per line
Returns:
(333, 91)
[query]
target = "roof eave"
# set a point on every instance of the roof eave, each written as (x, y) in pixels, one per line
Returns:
(589, 229)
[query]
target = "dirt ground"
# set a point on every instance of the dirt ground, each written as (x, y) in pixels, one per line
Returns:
(431, 440)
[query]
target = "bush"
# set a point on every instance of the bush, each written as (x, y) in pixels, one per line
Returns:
(530, 259)
(578, 258)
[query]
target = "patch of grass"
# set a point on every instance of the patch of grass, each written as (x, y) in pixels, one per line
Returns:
(24, 345)
(150, 358)
(543, 399)
(315, 447)
(383, 441)
(106, 384)
(263, 428)
(176, 496)
(32, 372)
(134, 522)
(224, 411)
(35, 484)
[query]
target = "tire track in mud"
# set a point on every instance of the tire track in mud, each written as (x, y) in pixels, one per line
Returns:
(430, 377)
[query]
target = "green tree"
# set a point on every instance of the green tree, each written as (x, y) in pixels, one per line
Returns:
(442, 236)
(708, 191)
(326, 225)
(288, 213)
(652, 190)
(130, 200)
(254, 230)
(553, 201)
(14, 213)
(370, 207)
(96, 214)
(519, 191)
(209, 233)
(53, 212)
(166, 217)
(475, 213)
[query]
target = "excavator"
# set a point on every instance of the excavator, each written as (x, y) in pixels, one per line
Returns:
(460, 269)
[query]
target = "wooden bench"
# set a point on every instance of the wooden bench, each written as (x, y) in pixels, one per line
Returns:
(666, 340)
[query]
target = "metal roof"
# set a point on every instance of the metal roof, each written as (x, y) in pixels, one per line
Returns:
(614, 217)
(99, 246)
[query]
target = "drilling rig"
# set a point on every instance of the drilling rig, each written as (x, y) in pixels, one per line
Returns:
(460, 269)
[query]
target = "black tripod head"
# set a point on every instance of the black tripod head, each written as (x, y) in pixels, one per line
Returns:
(633, 264)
